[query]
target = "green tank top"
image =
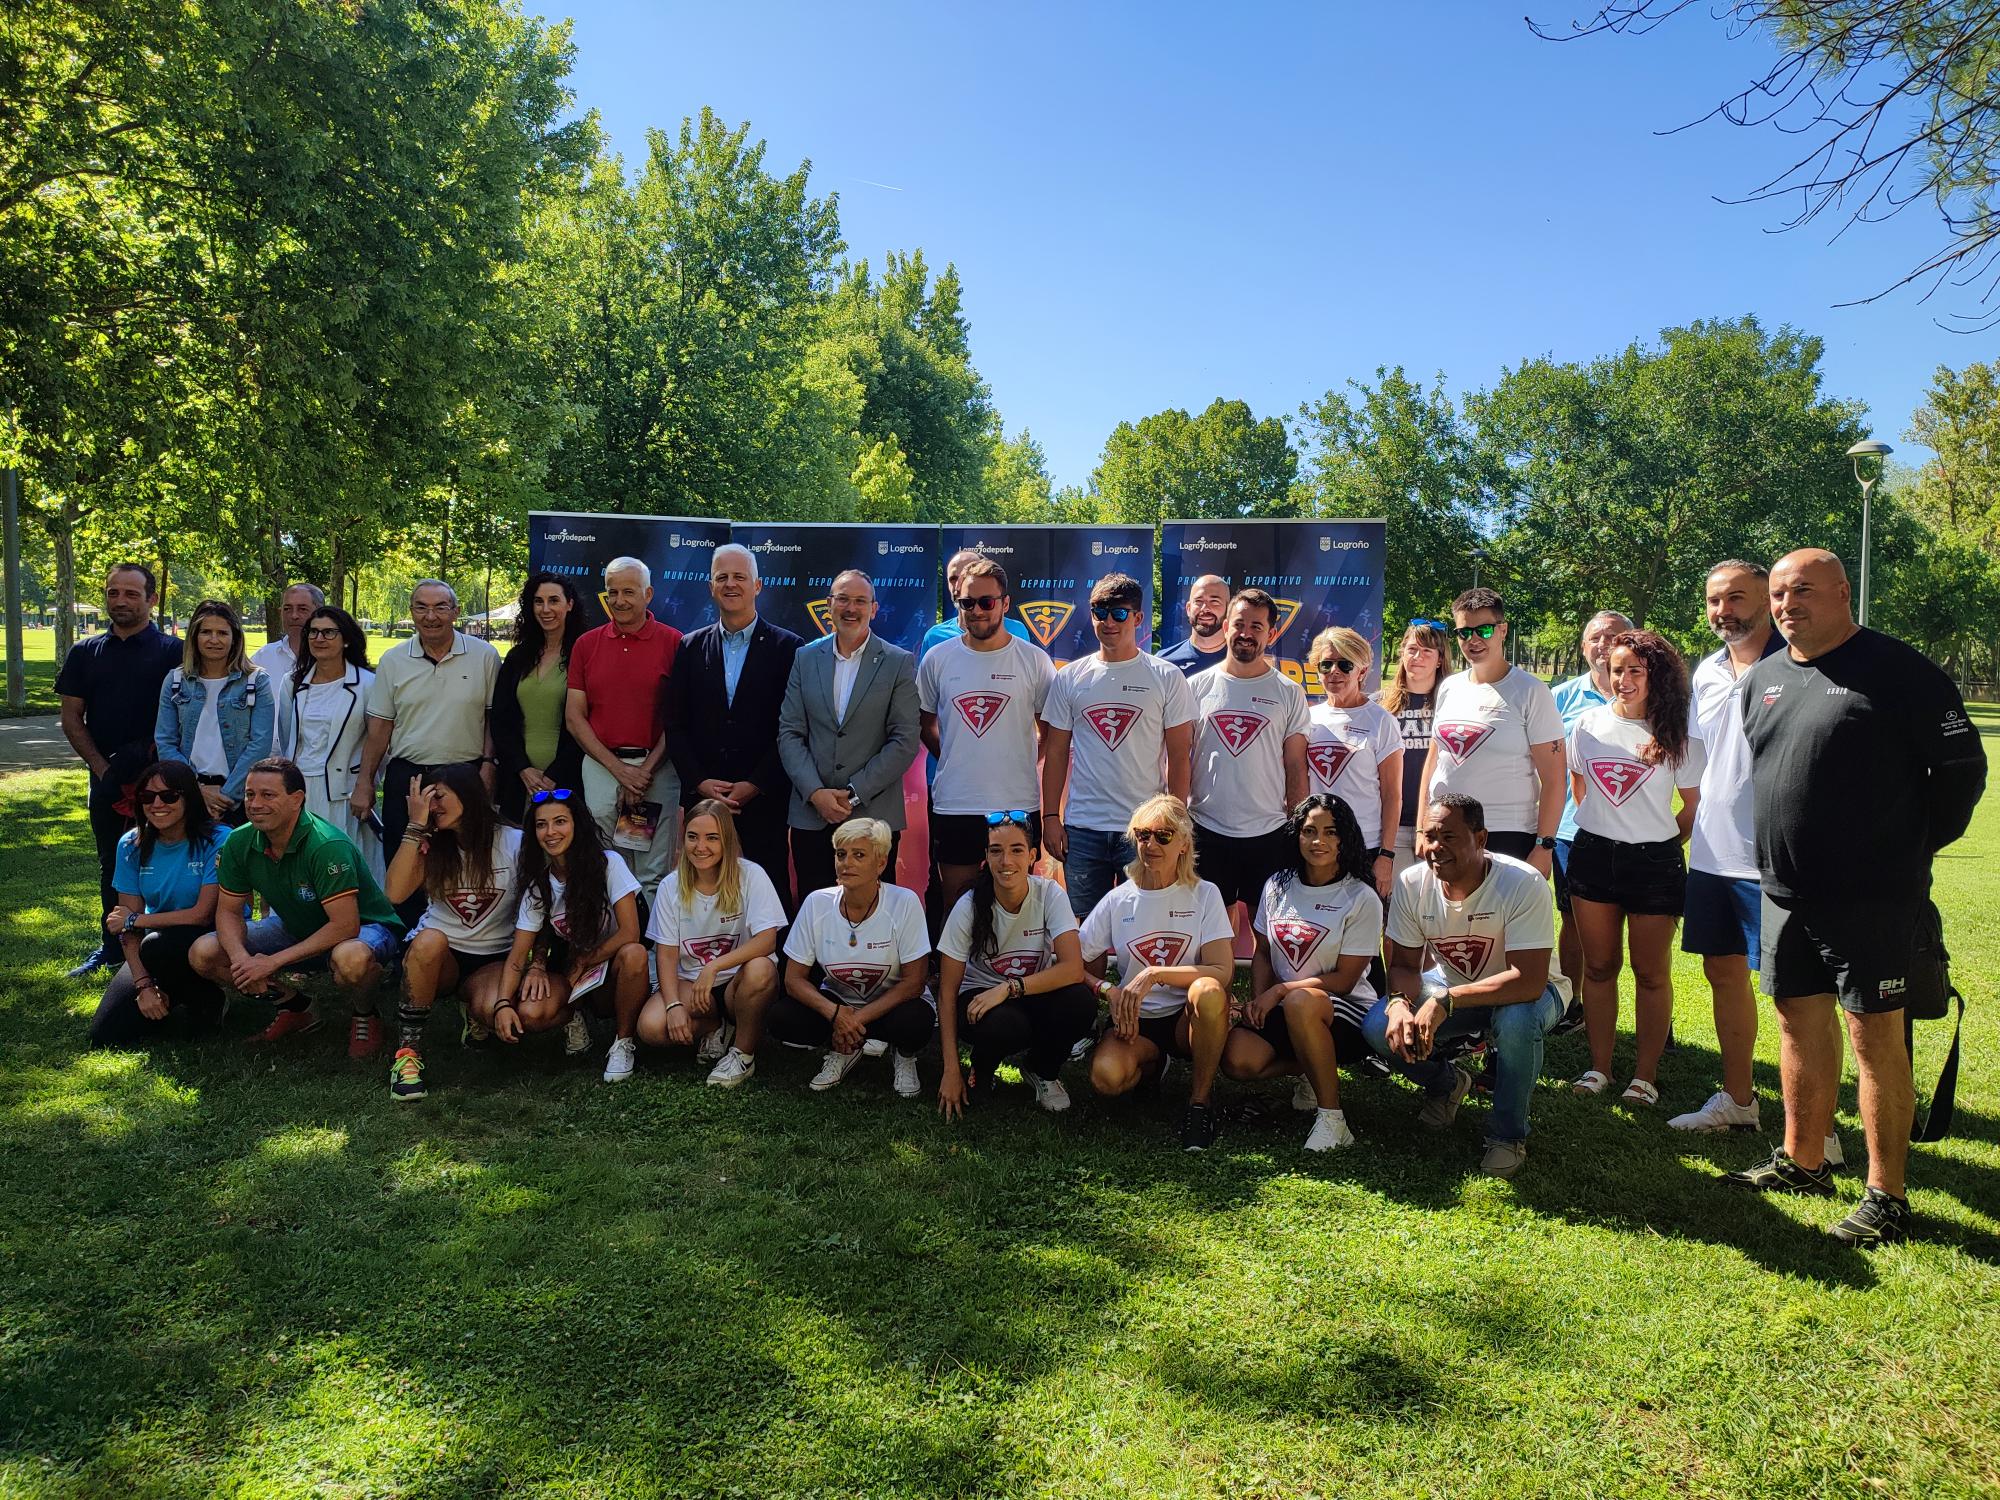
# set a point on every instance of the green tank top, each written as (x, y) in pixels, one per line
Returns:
(541, 700)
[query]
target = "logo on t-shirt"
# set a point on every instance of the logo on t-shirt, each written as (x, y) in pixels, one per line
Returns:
(1461, 739)
(981, 711)
(1112, 721)
(472, 906)
(707, 949)
(1237, 730)
(1045, 617)
(1467, 953)
(1329, 759)
(1159, 950)
(1018, 964)
(1771, 693)
(1298, 939)
(1618, 779)
(860, 979)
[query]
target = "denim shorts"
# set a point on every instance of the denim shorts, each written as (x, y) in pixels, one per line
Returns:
(268, 935)
(1647, 880)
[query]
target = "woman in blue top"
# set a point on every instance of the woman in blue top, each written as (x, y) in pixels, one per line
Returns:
(165, 879)
(217, 711)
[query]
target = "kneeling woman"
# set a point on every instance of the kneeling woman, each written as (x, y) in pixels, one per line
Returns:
(1318, 926)
(458, 853)
(1175, 953)
(165, 879)
(714, 930)
(579, 910)
(1011, 955)
(866, 942)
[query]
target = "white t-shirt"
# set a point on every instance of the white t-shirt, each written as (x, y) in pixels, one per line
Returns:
(481, 919)
(1345, 748)
(1117, 716)
(1024, 942)
(1724, 839)
(1625, 798)
(860, 962)
(276, 657)
(1239, 750)
(1482, 732)
(1470, 939)
(207, 755)
(986, 704)
(1161, 929)
(618, 884)
(701, 932)
(1310, 928)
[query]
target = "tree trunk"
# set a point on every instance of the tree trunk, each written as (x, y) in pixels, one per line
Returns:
(274, 583)
(444, 541)
(63, 530)
(338, 576)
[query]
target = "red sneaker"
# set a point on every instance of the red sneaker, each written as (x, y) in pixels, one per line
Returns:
(287, 1023)
(364, 1038)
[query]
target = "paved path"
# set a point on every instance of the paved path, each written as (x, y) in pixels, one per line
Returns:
(32, 744)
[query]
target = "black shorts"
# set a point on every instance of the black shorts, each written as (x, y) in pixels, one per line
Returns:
(1162, 1031)
(1349, 1045)
(1511, 842)
(960, 838)
(1645, 880)
(1239, 867)
(1859, 951)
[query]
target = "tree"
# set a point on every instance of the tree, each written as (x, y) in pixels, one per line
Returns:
(1960, 423)
(1221, 465)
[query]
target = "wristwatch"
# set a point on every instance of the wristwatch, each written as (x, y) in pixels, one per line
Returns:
(1544, 841)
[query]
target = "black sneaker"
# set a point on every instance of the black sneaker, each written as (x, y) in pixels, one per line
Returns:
(1778, 1173)
(1572, 1020)
(1198, 1127)
(1878, 1219)
(96, 963)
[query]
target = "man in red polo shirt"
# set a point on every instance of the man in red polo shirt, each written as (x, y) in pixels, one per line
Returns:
(617, 711)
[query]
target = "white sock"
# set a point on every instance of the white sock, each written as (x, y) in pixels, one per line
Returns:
(1334, 1115)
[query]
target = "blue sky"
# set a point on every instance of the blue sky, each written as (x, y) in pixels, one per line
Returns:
(1155, 206)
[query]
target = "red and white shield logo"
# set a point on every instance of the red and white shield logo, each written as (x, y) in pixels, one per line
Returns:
(1298, 939)
(1462, 739)
(1328, 760)
(859, 978)
(1159, 950)
(981, 711)
(707, 949)
(1016, 965)
(1467, 954)
(1112, 721)
(1618, 779)
(1237, 730)
(471, 906)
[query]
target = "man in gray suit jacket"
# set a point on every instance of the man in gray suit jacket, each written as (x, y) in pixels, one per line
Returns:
(847, 731)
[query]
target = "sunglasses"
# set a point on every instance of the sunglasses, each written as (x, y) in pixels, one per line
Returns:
(1336, 664)
(1160, 836)
(164, 795)
(1002, 819)
(978, 603)
(1484, 632)
(1119, 612)
(1443, 625)
(559, 794)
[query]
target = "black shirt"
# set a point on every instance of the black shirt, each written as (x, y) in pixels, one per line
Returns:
(1864, 764)
(1415, 722)
(118, 678)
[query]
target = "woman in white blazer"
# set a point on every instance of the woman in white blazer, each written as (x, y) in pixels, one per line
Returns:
(322, 721)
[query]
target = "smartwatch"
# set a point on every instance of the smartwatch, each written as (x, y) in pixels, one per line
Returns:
(1544, 841)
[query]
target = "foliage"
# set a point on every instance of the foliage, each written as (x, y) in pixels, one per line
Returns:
(1222, 465)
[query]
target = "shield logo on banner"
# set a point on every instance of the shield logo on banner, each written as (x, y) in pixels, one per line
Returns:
(1467, 954)
(707, 949)
(1016, 965)
(1619, 779)
(1328, 759)
(1298, 939)
(1462, 739)
(471, 906)
(1112, 721)
(1159, 950)
(860, 979)
(1288, 611)
(1045, 618)
(979, 710)
(1238, 730)
(822, 618)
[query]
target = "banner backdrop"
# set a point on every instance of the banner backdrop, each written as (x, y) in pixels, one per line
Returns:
(577, 545)
(797, 561)
(1050, 570)
(1320, 572)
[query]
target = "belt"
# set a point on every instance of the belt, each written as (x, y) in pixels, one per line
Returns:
(630, 752)
(211, 780)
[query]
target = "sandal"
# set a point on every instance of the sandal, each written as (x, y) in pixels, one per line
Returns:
(1638, 1091)
(1589, 1083)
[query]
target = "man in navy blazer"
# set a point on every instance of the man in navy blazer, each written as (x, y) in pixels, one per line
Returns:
(848, 731)
(727, 686)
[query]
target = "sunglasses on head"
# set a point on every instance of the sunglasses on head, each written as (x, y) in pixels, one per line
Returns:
(1336, 664)
(558, 794)
(1119, 612)
(1484, 632)
(165, 795)
(976, 603)
(1002, 819)
(1160, 836)
(1433, 624)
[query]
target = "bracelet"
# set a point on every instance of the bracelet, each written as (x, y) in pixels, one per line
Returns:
(508, 1003)
(146, 983)
(674, 1005)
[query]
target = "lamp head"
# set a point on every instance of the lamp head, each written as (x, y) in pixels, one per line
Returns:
(1861, 453)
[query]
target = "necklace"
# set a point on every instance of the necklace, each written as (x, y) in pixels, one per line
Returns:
(855, 927)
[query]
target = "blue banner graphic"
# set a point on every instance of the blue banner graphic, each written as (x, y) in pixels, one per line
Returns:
(1320, 572)
(1050, 570)
(798, 561)
(577, 545)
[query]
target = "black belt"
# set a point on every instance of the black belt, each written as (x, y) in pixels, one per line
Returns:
(630, 752)
(211, 780)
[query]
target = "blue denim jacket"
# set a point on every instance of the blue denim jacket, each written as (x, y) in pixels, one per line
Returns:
(245, 712)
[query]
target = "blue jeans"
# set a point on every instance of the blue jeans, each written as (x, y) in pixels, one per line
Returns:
(267, 935)
(1514, 1035)
(1096, 863)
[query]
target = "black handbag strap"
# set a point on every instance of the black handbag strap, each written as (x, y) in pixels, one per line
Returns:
(1936, 1123)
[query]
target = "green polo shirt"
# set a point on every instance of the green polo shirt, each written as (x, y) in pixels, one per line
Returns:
(318, 864)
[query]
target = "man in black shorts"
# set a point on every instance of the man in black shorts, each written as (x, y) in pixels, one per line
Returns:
(1864, 765)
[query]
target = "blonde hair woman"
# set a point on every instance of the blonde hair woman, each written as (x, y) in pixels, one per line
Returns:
(217, 712)
(1354, 749)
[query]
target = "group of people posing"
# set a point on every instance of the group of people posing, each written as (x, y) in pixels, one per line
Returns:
(695, 839)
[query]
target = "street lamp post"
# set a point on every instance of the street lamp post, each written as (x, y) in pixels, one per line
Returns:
(1860, 453)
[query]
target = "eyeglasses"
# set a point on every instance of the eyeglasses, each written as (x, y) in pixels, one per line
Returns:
(165, 796)
(323, 633)
(1336, 664)
(1119, 612)
(432, 609)
(1443, 625)
(557, 794)
(1484, 632)
(1002, 819)
(977, 603)
(1160, 836)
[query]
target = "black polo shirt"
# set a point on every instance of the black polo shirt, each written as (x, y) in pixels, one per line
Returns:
(118, 678)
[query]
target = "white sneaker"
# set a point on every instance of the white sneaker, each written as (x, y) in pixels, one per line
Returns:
(1329, 1131)
(1082, 1048)
(576, 1035)
(735, 1068)
(873, 1048)
(1834, 1156)
(621, 1060)
(836, 1067)
(1303, 1097)
(1720, 1113)
(1049, 1092)
(907, 1083)
(715, 1044)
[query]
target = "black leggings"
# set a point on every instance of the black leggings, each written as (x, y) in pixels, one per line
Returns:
(907, 1028)
(192, 1000)
(1044, 1026)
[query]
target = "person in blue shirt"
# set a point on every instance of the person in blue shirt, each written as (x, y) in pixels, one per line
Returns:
(1590, 688)
(167, 892)
(217, 712)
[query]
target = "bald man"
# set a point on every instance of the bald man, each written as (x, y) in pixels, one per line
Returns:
(1206, 610)
(1863, 766)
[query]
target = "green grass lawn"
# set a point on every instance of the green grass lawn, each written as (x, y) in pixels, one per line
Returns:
(232, 1272)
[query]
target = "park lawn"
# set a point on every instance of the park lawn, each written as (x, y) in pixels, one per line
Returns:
(226, 1271)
